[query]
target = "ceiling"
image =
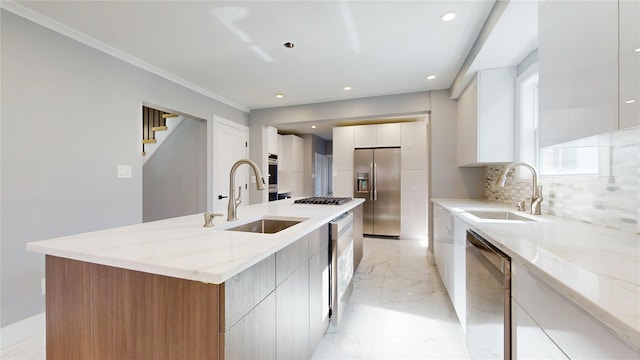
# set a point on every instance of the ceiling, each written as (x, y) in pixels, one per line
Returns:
(234, 51)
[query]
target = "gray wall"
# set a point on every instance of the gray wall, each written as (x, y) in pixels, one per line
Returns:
(70, 114)
(447, 179)
(175, 177)
(363, 108)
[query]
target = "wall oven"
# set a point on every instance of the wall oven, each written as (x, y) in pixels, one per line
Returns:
(273, 177)
(488, 277)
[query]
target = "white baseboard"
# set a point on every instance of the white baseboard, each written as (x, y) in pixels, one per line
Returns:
(21, 330)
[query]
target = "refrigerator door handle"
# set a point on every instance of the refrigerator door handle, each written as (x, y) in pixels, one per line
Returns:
(372, 179)
(375, 181)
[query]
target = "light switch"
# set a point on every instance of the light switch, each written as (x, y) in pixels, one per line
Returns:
(125, 171)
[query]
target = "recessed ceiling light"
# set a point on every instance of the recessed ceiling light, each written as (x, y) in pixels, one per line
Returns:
(289, 45)
(347, 88)
(637, 50)
(448, 16)
(629, 101)
(279, 96)
(313, 126)
(431, 77)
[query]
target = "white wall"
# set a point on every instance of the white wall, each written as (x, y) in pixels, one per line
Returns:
(70, 114)
(175, 178)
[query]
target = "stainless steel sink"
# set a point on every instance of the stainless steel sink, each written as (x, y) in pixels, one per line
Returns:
(499, 215)
(267, 225)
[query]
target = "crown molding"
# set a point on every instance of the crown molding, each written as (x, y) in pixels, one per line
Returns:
(58, 27)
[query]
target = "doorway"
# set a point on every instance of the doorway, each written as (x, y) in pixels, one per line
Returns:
(323, 170)
(174, 178)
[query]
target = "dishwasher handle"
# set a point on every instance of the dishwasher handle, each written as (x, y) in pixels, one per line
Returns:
(480, 246)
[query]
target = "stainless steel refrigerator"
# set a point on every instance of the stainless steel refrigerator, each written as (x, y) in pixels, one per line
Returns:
(377, 180)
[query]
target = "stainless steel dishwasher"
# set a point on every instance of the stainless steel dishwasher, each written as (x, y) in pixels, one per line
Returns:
(488, 277)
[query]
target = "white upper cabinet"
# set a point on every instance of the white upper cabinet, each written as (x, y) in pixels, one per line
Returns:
(486, 113)
(272, 140)
(629, 52)
(388, 134)
(365, 136)
(578, 69)
(381, 135)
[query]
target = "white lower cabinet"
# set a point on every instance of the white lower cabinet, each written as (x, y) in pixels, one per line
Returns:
(577, 333)
(459, 292)
(442, 247)
(529, 341)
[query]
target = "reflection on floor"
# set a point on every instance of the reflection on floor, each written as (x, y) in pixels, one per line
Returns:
(398, 310)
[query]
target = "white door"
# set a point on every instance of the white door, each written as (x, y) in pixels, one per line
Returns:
(229, 145)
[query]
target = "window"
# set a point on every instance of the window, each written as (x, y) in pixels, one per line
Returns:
(588, 156)
(527, 119)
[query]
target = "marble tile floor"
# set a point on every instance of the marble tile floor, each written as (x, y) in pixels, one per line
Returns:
(398, 310)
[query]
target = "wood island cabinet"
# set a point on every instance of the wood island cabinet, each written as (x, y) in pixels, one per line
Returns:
(276, 309)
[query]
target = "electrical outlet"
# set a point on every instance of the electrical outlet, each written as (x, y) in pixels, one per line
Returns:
(43, 286)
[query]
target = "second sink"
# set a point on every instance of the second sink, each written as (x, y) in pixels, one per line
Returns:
(499, 215)
(267, 225)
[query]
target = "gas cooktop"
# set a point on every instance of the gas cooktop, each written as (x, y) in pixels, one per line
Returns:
(323, 200)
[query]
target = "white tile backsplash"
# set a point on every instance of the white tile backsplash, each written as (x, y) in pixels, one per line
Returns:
(611, 202)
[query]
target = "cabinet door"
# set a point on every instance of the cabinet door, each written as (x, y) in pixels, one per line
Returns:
(242, 292)
(629, 53)
(272, 140)
(318, 297)
(291, 258)
(343, 143)
(388, 134)
(292, 315)
(298, 154)
(578, 67)
(365, 136)
(459, 297)
(578, 333)
(440, 236)
(528, 339)
(414, 145)
(254, 336)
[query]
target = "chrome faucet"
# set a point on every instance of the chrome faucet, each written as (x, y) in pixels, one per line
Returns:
(536, 191)
(233, 201)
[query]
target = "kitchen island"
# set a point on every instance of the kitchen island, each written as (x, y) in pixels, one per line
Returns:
(175, 289)
(575, 287)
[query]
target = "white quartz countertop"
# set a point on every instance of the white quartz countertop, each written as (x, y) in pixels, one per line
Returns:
(181, 247)
(596, 267)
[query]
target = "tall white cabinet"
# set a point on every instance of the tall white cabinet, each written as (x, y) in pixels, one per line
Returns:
(290, 165)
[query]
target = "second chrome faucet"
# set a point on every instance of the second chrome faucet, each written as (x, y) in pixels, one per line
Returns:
(536, 190)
